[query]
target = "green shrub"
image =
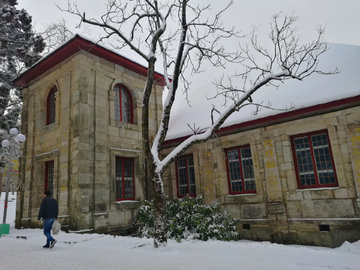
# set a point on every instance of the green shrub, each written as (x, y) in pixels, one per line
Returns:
(190, 218)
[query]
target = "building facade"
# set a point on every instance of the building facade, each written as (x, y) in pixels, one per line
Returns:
(291, 182)
(291, 177)
(82, 120)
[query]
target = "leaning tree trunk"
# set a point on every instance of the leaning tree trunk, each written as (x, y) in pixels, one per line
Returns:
(160, 231)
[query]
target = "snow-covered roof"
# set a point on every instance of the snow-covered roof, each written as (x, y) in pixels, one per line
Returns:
(312, 91)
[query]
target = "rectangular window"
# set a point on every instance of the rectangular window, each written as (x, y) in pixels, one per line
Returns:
(124, 179)
(49, 176)
(313, 161)
(240, 170)
(185, 173)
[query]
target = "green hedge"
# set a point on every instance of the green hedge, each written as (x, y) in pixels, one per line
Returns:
(189, 218)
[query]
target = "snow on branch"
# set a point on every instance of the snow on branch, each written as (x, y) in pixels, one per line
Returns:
(199, 40)
(193, 39)
(286, 56)
(287, 59)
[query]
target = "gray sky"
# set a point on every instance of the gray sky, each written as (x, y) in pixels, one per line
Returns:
(341, 17)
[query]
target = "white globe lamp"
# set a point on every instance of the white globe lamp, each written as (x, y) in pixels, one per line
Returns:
(21, 138)
(5, 143)
(14, 131)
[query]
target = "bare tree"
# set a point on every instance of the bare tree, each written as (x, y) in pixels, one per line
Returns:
(144, 26)
(55, 34)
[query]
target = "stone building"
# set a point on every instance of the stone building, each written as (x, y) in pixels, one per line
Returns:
(81, 117)
(290, 177)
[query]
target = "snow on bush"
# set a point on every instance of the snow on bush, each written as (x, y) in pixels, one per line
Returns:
(189, 218)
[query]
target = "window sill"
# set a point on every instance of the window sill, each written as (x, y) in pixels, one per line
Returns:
(127, 201)
(243, 198)
(49, 128)
(130, 126)
(240, 195)
(320, 188)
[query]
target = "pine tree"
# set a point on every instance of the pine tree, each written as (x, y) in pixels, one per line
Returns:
(19, 48)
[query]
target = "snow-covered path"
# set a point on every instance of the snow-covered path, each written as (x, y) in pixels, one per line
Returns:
(94, 251)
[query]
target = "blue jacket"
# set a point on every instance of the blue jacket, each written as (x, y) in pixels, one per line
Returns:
(49, 208)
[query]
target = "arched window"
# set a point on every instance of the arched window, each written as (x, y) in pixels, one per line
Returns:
(50, 107)
(123, 104)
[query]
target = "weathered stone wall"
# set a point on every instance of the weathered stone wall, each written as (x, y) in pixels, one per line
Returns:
(83, 142)
(279, 211)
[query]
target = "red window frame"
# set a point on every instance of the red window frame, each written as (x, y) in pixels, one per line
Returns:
(122, 92)
(312, 157)
(51, 106)
(236, 179)
(49, 176)
(124, 168)
(185, 173)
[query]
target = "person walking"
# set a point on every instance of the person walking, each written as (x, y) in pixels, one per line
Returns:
(49, 212)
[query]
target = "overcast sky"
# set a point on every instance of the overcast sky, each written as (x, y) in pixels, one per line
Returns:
(341, 17)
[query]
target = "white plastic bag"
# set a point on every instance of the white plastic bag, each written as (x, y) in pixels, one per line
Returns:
(56, 227)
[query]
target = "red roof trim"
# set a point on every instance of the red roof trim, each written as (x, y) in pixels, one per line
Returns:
(279, 118)
(74, 45)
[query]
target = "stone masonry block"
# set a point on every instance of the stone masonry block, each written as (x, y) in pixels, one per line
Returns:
(135, 135)
(132, 74)
(352, 117)
(101, 101)
(119, 68)
(253, 211)
(341, 193)
(333, 114)
(279, 149)
(340, 208)
(307, 194)
(322, 194)
(287, 154)
(129, 141)
(294, 196)
(107, 65)
(276, 208)
(100, 156)
(273, 182)
(291, 178)
(102, 113)
(101, 124)
(85, 178)
(113, 131)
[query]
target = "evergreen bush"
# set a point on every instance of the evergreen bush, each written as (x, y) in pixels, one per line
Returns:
(189, 218)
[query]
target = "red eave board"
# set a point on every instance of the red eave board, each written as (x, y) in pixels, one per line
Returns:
(278, 118)
(72, 46)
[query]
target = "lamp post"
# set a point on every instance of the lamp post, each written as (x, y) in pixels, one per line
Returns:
(6, 144)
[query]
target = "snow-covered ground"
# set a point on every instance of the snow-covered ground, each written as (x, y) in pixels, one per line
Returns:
(22, 249)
